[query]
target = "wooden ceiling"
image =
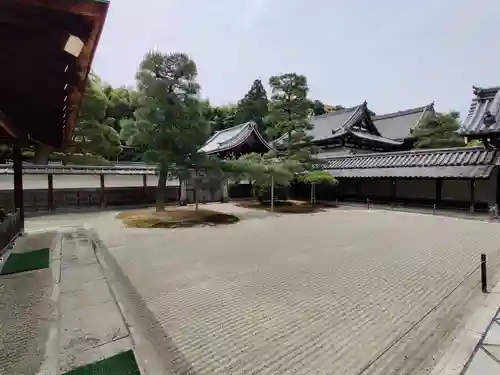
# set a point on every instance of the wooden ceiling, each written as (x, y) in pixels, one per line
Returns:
(42, 85)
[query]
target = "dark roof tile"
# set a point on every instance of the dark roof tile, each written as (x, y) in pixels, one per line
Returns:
(398, 125)
(227, 139)
(486, 100)
(453, 163)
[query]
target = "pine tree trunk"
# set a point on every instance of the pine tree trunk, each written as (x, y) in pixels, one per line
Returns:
(160, 190)
(196, 200)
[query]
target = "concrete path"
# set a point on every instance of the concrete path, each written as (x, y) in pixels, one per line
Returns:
(476, 349)
(91, 326)
(57, 319)
(27, 305)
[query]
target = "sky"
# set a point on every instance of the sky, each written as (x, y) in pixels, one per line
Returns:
(394, 54)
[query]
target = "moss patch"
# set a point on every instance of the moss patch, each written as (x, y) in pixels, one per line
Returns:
(21, 262)
(286, 207)
(120, 364)
(174, 218)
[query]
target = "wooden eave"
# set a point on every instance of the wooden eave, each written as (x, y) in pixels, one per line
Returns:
(42, 85)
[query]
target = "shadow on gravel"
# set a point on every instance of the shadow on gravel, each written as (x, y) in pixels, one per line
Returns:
(171, 358)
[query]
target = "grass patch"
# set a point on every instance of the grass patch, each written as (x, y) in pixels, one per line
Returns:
(29, 261)
(286, 207)
(174, 218)
(120, 364)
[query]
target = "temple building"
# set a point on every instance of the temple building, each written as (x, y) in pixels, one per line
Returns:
(374, 157)
(483, 119)
(232, 142)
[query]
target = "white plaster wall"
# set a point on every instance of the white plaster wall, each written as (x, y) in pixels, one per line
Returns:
(40, 181)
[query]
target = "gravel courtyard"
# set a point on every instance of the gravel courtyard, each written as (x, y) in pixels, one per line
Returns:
(324, 293)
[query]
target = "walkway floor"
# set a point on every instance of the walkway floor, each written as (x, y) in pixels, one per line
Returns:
(486, 360)
(341, 291)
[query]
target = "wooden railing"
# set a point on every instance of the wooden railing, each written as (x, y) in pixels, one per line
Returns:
(10, 228)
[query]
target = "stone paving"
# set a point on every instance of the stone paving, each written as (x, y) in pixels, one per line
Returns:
(26, 307)
(337, 292)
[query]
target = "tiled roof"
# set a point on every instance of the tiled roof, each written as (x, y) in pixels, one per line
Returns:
(343, 122)
(486, 99)
(433, 163)
(325, 125)
(227, 139)
(398, 125)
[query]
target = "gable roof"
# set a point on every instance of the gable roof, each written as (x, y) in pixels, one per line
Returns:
(474, 162)
(486, 99)
(224, 140)
(332, 124)
(398, 125)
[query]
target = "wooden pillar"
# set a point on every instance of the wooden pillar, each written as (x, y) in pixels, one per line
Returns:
(18, 179)
(102, 191)
(50, 192)
(439, 192)
(497, 190)
(145, 188)
(183, 192)
(472, 195)
(393, 191)
(224, 198)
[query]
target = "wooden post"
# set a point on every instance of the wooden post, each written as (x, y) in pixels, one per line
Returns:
(102, 191)
(272, 193)
(472, 195)
(439, 193)
(393, 192)
(18, 180)
(145, 187)
(484, 281)
(50, 192)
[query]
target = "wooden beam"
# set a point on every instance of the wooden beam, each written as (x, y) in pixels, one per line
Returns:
(43, 18)
(7, 124)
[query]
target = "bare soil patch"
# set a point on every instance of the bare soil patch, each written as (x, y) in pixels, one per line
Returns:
(174, 218)
(286, 207)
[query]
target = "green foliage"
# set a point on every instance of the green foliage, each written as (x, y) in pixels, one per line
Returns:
(318, 108)
(475, 143)
(253, 106)
(94, 132)
(289, 109)
(319, 177)
(219, 118)
(439, 130)
(167, 120)
(169, 124)
(260, 170)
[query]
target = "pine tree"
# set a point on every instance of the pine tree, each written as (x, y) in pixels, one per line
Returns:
(439, 131)
(254, 106)
(169, 124)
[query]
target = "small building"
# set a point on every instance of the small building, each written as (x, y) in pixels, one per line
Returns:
(231, 142)
(236, 141)
(483, 120)
(353, 130)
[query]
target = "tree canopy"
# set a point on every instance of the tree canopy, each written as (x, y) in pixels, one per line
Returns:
(439, 130)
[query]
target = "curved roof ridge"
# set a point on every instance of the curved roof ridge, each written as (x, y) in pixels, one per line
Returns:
(419, 151)
(403, 112)
(339, 111)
